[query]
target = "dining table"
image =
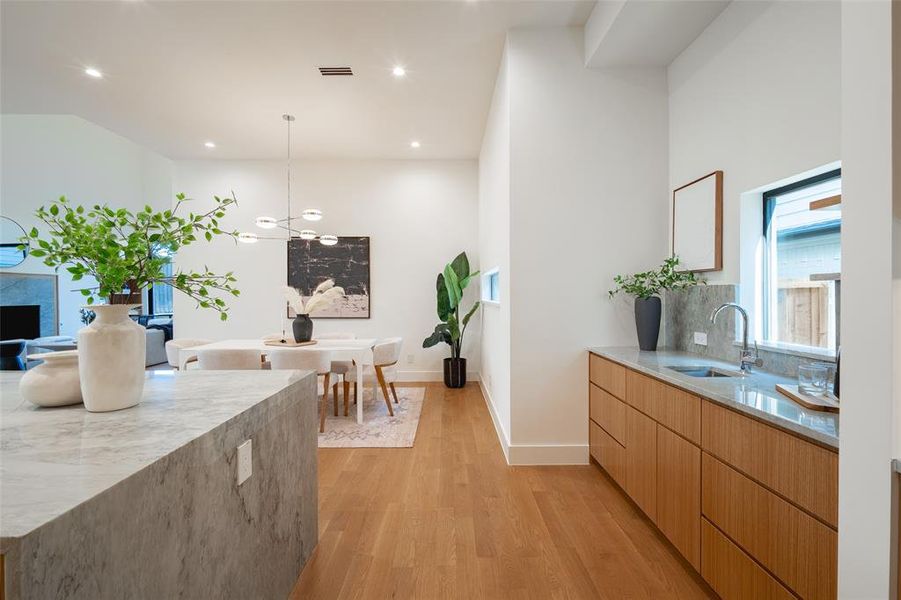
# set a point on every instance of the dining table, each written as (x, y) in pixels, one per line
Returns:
(358, 350)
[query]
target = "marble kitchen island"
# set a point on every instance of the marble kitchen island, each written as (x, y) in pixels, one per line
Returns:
(144, 502)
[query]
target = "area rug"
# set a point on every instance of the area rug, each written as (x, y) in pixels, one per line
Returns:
(379, 430)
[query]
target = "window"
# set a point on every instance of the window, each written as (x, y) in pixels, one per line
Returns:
(491, 287)
(159, 297)
(802, 264)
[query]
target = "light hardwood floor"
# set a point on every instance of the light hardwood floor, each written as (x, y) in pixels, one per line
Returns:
(449, 519)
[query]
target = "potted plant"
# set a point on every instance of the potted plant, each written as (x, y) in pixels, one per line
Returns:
(323, 297)
(449, 287)
(646, 288)
(123, 252)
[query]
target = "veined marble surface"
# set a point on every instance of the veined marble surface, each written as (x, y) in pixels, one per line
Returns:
(54, 459)
(755, 395)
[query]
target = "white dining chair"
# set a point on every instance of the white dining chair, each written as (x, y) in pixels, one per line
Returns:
(385, 355)
(233, 359)
(308, 359)
(340, 367)
(175, 345)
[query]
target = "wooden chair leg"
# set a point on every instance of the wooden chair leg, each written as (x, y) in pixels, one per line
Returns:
(324, 405)
(393, 392)
(381, 378)
(335, 396)
(355, 392)
(346, 397)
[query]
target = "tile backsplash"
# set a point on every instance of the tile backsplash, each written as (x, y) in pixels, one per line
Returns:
(687, 311)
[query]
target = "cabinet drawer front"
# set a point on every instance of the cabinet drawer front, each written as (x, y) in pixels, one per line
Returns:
(643, 393)
(801, 471)
(641, 461)
(731, 573)
(800, 550)
(679, 494)
(608, 412)
(607, 375)
(608, 452)
(681, 412)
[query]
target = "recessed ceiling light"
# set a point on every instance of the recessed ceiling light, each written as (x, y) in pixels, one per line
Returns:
(399, 71)
(92, 72)
(415, 144)
(209, 144)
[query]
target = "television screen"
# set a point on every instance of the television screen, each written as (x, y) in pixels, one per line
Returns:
(20, 322)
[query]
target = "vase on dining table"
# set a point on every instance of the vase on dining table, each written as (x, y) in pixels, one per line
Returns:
(303, 328)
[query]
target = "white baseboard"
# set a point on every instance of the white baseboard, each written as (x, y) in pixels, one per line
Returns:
(498, 427)
(522, 454)
(426, 376)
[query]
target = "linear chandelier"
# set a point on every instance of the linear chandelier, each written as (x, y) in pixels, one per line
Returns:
(308, 214)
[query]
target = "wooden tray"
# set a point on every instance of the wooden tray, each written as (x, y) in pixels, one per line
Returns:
(288, 343)
(827, 403)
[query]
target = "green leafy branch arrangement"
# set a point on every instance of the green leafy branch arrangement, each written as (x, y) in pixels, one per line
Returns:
(650, 283)
(449, 287)
(123, 250)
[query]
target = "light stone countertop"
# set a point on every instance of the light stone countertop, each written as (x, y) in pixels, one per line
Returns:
(54, 459)
(755, 395)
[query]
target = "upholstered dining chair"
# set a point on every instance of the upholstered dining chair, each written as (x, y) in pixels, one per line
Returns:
(175, 345)
(232, 359)
(385, 355)
(340, 367)
(308, 359)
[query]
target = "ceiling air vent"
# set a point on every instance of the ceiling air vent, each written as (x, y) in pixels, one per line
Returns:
(335, 71)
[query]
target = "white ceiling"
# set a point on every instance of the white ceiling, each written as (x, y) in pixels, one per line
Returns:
(177, 74)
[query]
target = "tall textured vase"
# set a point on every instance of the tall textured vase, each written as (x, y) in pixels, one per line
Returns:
(111, 355)
(647, 322)
(303, 328)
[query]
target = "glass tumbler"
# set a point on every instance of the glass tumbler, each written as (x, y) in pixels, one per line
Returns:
(812, 378)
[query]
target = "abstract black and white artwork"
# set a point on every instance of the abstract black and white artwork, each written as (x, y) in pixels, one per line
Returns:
(347, 262)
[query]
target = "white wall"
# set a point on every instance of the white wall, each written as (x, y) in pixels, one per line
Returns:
(757, 95)
(865, 498)
(588, 200)
(418, 214)
(48, 156)
(494, 250)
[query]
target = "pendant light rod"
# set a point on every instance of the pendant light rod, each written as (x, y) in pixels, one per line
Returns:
(290, 120)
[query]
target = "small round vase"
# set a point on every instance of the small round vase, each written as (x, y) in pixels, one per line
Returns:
(55, 382)
(111, 356)
(303, 328)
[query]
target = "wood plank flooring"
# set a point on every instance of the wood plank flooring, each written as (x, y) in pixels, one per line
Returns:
(449, 518)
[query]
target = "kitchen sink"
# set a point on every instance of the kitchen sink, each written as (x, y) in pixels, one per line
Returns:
(704, 371)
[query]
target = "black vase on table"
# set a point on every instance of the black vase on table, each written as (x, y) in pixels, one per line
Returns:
(303, 328)
(454, 372)
(647, 322)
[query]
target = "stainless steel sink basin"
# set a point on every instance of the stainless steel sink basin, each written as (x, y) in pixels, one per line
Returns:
(704, 371)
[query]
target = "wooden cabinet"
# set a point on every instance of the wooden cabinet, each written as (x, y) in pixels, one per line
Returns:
(643, 393)
(607, 375)
(681, 412)
(797, 548)
(641, 461)
(679, 494)
(608, 412)
(609, 453)
(799, 470)
(733, 574)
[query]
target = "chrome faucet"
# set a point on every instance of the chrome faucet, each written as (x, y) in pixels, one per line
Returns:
(748, 359)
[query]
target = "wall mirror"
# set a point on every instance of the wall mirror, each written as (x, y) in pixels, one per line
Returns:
(698, 224)
(10, 233)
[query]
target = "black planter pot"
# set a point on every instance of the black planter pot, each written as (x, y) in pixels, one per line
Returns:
(303, 328)
(454, 372)
(647, 322)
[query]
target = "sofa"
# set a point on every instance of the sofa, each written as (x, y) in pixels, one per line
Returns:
(155, 345)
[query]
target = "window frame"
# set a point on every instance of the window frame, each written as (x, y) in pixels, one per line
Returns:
(487, 277)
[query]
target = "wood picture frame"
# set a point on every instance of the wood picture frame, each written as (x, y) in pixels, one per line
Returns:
(697, 230)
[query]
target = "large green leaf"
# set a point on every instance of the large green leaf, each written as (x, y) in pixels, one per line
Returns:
(444, 307)
(460, 265)
(453, 327)
(454, 293)
(471, 312)
(465, 281)
(441, 334)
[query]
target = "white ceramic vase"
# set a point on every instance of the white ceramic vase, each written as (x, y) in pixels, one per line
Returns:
(55, 382)
(111, 354)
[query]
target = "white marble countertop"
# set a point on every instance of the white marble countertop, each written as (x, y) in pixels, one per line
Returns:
(53, 459)
(755, 395)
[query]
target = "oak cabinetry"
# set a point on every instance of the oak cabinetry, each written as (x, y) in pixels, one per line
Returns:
(800, 471)
(797, 548)
(679, 493)
(609, 453)
(608, 412)
(641, 461)
(607, 375)
(732, 573)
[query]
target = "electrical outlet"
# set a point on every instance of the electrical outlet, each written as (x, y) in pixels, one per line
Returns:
(410, 359)
(700, 338)
(245, 461)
